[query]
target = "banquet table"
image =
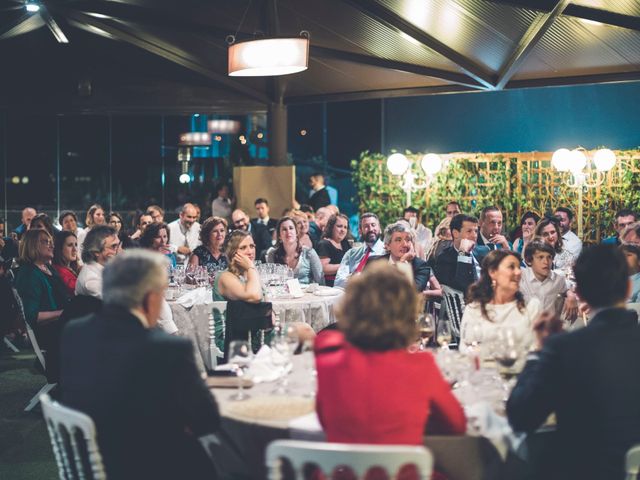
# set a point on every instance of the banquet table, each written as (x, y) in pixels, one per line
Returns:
(315, 309)
(249, 426)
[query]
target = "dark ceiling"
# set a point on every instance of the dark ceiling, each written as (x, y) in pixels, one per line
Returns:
(170, 55)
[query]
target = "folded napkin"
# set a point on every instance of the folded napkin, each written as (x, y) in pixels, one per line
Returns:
(484, 421)
(262, 368)
(195, 297)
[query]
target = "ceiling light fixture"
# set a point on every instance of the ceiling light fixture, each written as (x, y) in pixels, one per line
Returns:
(32, 7)
(267, 57)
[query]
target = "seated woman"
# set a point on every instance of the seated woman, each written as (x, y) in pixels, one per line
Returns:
(65, 260)
(95, 216)
(371, 387)
(632, 253)
(210, 253)
(303, 228)
(42, 222)
(69, 221)
(43, 295)
(241, 281)
(117, 223)
(156, 237)
(333, 246)
(303, 261)
(549, 230)
(495, 303)
(528, 224)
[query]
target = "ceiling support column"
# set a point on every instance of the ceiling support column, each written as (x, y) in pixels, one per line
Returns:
(277, 125)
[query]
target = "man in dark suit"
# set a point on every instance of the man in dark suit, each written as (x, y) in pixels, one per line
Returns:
(140, 385)
(456, 266)
(590, 377)
(399, 241)
(259, 233)
(490, 235)
(262, 210)
(319, 194)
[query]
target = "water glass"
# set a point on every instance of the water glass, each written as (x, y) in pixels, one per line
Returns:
(240, 356)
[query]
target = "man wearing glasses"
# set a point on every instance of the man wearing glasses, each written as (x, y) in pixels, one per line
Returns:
(100, 245)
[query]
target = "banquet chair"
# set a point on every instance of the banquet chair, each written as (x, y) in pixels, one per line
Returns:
(632, 463)
(73, 438)
(452, 309)
(359, 458)
(49, 386)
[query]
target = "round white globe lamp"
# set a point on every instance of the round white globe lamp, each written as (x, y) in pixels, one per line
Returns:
(397, 164)
(604, 160)
(560, 159)
(431, 163)
(577, 161)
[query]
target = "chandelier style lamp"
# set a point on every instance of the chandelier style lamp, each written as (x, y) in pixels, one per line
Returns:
(581, 174)
(267, 57)
(400, 166)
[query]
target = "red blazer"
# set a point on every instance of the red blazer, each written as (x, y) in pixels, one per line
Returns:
(381, 397)
(69, 278)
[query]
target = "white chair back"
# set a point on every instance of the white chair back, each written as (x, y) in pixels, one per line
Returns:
(452, 308)
(73, 438)
(36, 347)
(359, 458)
(48, 386)
(632, 463)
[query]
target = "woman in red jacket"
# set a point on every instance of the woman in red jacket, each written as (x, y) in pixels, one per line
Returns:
(371, 388)
(65, 259)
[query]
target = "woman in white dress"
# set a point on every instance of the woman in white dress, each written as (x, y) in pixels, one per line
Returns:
(496, 304)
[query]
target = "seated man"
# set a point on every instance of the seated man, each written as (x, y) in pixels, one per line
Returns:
(423, 234)
(262, 210)
(144, 220)
(100, 244)
(184, 232)
(541, 282)
(631, 234)
(623, 219)
(356, 258)
(399, 242)
(590, 377)
(570, 241)
(457, 266)
(259, 233)
(632, 254)
(139, 385)
(490, 235)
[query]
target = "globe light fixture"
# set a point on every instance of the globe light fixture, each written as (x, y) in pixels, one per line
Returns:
(560, 159)
(577, 161)
(431, 163)
(184, 178)
(397, 164)
(268, 56)
(604, 160)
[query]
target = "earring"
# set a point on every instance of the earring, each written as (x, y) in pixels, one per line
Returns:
(494, 284)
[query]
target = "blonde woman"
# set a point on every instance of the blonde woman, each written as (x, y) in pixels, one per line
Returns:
(442, 240)
(95, 216)
(241, 280)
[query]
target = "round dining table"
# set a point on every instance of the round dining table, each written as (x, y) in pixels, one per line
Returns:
(248, 426)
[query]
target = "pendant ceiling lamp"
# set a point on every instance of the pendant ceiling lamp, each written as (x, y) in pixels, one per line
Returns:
(266, 57)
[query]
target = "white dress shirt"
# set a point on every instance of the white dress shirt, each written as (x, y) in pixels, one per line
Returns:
(352, 259)
(221, 207)
(571, 242)
(90, 280)
(181, 237)
(550, 291)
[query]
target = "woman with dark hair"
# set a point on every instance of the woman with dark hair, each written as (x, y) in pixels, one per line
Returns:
(303, 261)
(68, 221)
(371, 387)
(156, 237)
(43, 295)
(549, 229)
(116, 221)
(333, 246)
(65, 259)
(527, 227)
(210, 253)
(495, 303)
(42, 222)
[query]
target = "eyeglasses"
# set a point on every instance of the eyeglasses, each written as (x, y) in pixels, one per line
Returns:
(48, 243)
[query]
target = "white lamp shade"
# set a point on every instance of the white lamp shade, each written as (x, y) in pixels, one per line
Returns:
(223, 126)
(268, 57)
(604, 160)
(195, 138)
(184, 178)
(397, 164)
(560, 160)
(431, 163)
(577, 160)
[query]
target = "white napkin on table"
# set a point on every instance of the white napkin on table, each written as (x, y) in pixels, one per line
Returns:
(194, 297)
(262, 368)
(487, 423)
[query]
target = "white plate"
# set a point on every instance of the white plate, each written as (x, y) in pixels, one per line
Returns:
(326, 292)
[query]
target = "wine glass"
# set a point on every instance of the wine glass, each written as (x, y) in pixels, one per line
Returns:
(240, 356)
(506, 354)
(280, 357)
(443, 335)
(426, 327)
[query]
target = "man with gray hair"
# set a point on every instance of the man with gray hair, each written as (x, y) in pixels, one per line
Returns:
(140, 386)
(399, 241)
(99, 246)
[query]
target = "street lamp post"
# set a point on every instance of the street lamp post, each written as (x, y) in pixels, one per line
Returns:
(574, 162)
(400, 166)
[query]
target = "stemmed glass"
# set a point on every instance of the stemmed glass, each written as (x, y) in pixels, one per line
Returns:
(425, 324)
(443, 335)
(240, 356)
(179, 277)
(280, 357)
(506, 353)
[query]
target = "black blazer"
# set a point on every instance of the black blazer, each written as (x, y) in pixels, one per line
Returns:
(143, 391)
(421, 271)
(262, 239)
(591, 379)
(453, 273)
(319, 199)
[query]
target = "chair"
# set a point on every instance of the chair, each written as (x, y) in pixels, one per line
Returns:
(73, 438)
(452, 308)
(10, 345)
(49, 386)
(632, 463)
(360, 458)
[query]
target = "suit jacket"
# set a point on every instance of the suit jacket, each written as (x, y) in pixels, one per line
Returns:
(481, 249)
(450, 271)
(421, 271)
(373, 396)
(143, 391)
(262, 239)
(319, 199)
(591, 379)
(271, 225)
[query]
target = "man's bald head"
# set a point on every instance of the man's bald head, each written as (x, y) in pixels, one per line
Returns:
(240, 219)
(188, 215)
(27, 214)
